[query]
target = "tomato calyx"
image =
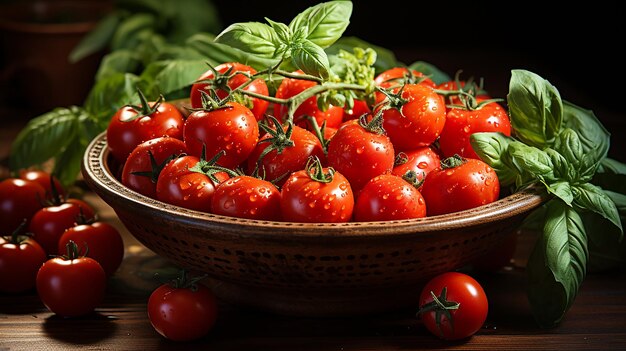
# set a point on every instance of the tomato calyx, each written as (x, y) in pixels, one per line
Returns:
(375, 125)
(401, 158)
(392, 100)
(442, 307)
(183, 281)
(72, 251)
(212, 102)
(156, 168)
(18, 236)
(316, 172)
(412, 178)
(81, 219)
(319, 132)
(210, 167)
(144, 109)
(452, 162)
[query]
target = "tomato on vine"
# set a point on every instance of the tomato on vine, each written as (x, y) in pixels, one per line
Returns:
(20, 259)
(396, 77)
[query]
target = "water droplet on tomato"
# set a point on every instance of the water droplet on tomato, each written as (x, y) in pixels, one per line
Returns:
(422, 165)
(229, 203)
(312, 204)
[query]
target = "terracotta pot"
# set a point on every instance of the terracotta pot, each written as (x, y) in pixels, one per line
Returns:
(37, 38)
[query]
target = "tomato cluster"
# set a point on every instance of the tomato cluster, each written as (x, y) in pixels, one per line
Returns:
(406, 156)
(38, 221)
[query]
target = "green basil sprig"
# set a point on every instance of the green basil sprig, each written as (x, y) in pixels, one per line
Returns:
(562, 147)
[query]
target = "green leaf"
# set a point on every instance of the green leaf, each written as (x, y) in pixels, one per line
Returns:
(120, 61)
(491, 147)
(170, 76)
(98, 39)
(44, 137)
(323, 23)
(310, 58)
(253, 38)
(130, 32)
(109, 94)
(535, 108)
(557, 265)
(607, 249)
(562, 190)
(437, 75)
(67, 163)
(609, 165)
(188, 17)
(594, 138)
(282, 31)
(531, 160)
(385, 59)
(219, 53)
(560, 167)
(568, 144)
(589, 197)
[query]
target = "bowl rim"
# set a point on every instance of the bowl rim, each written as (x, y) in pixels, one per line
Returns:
(99, 177)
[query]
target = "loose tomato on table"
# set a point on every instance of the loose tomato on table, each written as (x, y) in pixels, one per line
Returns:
(453, 306)
(20, 259)
(71, 285)
(227, 80)
(183, 310)
(44, 179)
(19, 199)
(389, 197)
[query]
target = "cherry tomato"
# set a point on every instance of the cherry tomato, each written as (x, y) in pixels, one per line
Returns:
(247, 197)
(103, 240)
(388, 197)
(465, 306)
(418, 121)
(316, 195)
(180, 185)
(182, 313)
(258, 106)
(461, 123)
(231, 128)
(131, 126)
(421, 161)
(295, 151)
(290, 87)
(458, 185)
(143, 166)
(49, 223)
(360, 153)
(20, 259)
(43, 178)
(470, 89)
(71, 286)
(398, 76)
(19, 200)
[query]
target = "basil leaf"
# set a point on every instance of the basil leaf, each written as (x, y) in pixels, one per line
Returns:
(254, 38)
(130, 32)
(560, 167)
(557, 266)
(490, 147)
(97, 39)
(531, 160)
(119, 61)
(611, 166)
(310, 58)
(385, 59)
(109, 94)
(437, 75)
(594, 138)
(67, 163)
(282, 31)
(589, 197)
(218, 53)
(170, 76)
(607, 249)
(562, 190)
(568, 145)
(323, 23)
(44, 137)
(535, 108)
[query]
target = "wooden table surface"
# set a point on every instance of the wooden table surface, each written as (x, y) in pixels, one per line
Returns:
(597, 320)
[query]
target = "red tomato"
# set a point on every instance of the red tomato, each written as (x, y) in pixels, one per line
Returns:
(103, 240)
(421, 161)
(359, 109)
(43, 178)
(232, 129)
(291, 158)
(460, 185)
(454, 99)
(397, 76)
(130, 127)
(359, 154)
(182, 313)
(19, 200)
(388, 197)
(317, 195)
(291, 87)
(20, 259)
(258, 106)
(247, 197)
(71, 286)
(465, 304)
(179, 185)
(462, 123)
(143, 165)
(419, 121)
(49, 223)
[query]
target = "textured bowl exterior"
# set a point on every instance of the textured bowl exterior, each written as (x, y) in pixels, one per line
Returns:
(302, 268)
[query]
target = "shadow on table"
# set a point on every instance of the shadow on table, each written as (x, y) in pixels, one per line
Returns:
(91, 328)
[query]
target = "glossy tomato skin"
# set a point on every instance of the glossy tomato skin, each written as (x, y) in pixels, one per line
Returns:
(19, 263)
(43, 178)
(388, 197)
(124, 133)
(419, 121)
(49, 223)
(103, 240)
(395, 76)
(472, 184)
(162, 149)
(71, 288)
(232, 129)
(472, 311)
(306, 200)
(258, 86)
(290, 87)
(181, 314)
(275, 165)
(360, 155)
(462, 123)
(421, 161)
(19, 199)
(247, 197)
(179, 186)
